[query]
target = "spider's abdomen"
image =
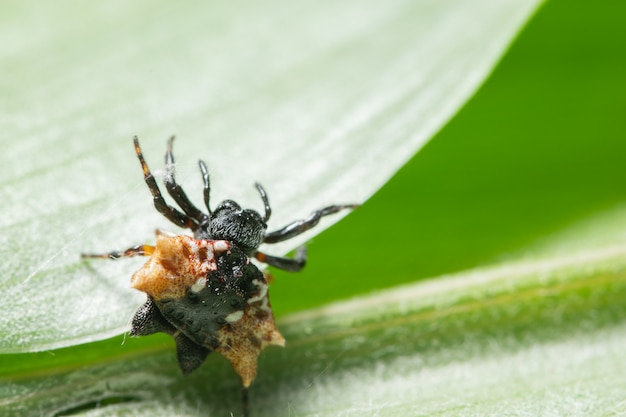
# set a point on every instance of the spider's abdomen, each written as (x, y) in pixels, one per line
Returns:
(209, 291)
(178, 263)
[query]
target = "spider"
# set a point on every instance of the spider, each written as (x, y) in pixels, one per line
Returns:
(203, 290)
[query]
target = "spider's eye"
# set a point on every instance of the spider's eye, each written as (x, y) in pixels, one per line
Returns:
(253, 218)
(228, 205)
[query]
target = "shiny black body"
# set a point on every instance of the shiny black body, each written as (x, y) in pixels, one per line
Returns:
(245, 228)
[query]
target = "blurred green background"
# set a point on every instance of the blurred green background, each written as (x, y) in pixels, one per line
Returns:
(541, 145)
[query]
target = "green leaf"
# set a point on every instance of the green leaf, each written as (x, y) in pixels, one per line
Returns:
(523, 191)
(525, 339)
(319, 102)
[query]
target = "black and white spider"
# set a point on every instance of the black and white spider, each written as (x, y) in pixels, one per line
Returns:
(203, 290)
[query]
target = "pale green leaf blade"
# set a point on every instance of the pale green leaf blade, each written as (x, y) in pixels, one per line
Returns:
(319, 102)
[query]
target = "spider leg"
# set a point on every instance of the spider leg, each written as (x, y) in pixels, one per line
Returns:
(139, 250)
(288, 264)
(300, 226)
(266, 202)
(170, 213)
(207, 185)
(177, 192)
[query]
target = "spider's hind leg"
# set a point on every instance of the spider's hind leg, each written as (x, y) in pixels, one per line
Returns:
(294, 264)
(139, 250)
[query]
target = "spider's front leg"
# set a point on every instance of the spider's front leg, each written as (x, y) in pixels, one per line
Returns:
(173, 215)
(301, 226)
(177, 192)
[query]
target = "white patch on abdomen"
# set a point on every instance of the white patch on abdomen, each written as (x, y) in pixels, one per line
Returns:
(234, 316)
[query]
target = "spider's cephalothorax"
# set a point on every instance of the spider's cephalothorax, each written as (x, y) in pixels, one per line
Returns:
(203, 290)
(244, 227)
